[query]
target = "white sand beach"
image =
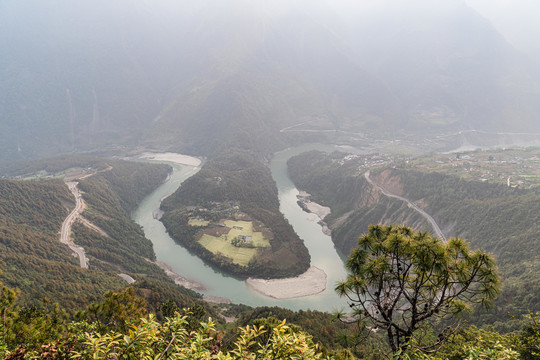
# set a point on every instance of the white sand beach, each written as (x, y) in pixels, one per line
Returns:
(172, 157)
(312, 282)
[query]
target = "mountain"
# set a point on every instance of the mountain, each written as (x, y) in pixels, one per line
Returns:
(448, 66)
(197, 77)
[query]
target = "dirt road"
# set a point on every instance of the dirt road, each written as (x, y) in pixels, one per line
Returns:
(412, 205)
(65, 233)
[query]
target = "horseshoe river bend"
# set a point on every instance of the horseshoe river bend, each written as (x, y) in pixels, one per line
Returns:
(217, 284)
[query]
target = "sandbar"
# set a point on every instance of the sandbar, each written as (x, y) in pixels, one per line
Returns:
(313, 207)
(172, 157)
(312, 282)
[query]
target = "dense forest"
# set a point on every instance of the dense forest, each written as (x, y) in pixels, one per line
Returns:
(236, 177)
(124, 325)
(497, 218)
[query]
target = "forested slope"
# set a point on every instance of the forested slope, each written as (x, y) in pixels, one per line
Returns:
(31, 255)
(31, 214)
(497, 218)
(354, 203)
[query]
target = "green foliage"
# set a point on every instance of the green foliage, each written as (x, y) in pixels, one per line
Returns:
(117, 328)
(172, 339)
(31, 255)
(277, 341)
(7, 301)
(34, 260)
(234, 177)
(322, 326)
(494, 217)
(530, 338)
(400, 280)
(28, 326)
(340, 186)
(117, 311)
(494, 351)
(499, 219)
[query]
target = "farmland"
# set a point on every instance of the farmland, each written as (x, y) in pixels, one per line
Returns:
(517, 167)
(219, 240)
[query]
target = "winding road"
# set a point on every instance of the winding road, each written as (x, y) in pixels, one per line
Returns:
(65, 232)
(412, 205)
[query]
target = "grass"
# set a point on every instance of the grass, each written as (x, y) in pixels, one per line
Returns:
(197, 222)
(223, 246)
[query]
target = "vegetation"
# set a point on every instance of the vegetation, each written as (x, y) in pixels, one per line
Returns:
(339, 184)
(230, 184)
(500, 219)
(518, 167)
(401, 281)
(34, 260)
(32, 212)
(120, 326)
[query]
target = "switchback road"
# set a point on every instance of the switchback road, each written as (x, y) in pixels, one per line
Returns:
(65, 233)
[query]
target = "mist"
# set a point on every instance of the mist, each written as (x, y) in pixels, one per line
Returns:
(81, 75)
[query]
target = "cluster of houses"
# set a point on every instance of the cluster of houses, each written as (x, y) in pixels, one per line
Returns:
(244, 238)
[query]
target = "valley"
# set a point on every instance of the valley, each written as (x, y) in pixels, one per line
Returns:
(219, 284)
(179, 172)
(489, 215)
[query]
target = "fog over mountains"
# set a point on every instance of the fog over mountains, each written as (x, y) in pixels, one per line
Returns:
(191, 77)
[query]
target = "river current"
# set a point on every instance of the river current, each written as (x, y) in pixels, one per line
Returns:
(320, 246)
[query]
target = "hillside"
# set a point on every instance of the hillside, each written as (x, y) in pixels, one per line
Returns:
(493, 217)
(33, 259)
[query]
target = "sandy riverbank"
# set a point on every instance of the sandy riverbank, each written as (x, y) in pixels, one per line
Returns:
(312, 282)
(179, 279)
(313, 207)
(304, 200)
(172, 157)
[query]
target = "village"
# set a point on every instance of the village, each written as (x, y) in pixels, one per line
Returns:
(515, 167)
(227, 232)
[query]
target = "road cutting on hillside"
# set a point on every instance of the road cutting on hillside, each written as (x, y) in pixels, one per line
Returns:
(65, 233)
(412, 205)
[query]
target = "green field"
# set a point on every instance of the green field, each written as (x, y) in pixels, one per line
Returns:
(197, 222)
(223, 246)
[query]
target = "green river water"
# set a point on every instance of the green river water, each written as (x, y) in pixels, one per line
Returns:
(320, 246)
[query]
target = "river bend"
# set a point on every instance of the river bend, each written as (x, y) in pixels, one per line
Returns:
(320, 246)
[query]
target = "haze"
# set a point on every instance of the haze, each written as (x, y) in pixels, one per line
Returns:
(84, 75)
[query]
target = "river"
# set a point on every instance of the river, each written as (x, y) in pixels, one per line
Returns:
(320, 246)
